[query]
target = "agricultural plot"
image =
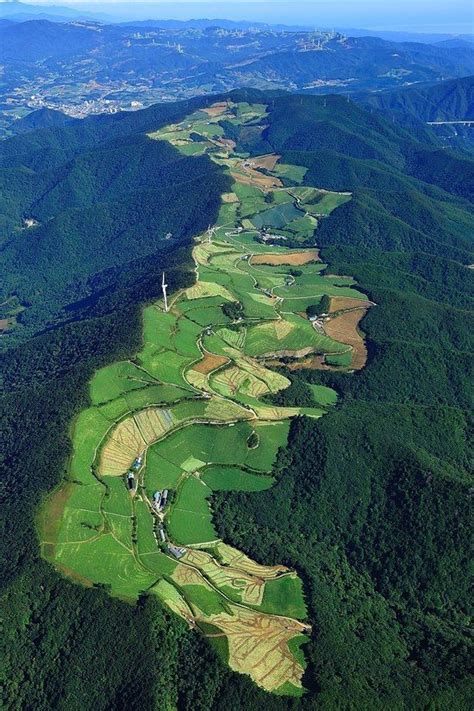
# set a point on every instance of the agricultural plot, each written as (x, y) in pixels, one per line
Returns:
(89, 430)
(111, 382)
(291, 335)
(292, 258)
(153, 395)
(116, 499)
(160, 473)
(258, 645)
(320, 202)
(105, 560)
(234, 380)
(203, 289)
(236, 584)
(277, 217)
(190, 521)
(220, 478)
(345, 327)
(248, 379)
(293, 173)
(339, 360)
(190, 405)
(268, 162)
(323, 395)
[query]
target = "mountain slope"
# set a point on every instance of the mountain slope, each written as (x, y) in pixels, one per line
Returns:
(451, 100)
(447, 106)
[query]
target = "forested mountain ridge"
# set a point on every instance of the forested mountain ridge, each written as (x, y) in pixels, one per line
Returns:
(71, 192)
(451, 100)
(372, 502)
(446, 105)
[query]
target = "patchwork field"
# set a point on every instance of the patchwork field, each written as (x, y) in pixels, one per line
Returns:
(190, 414)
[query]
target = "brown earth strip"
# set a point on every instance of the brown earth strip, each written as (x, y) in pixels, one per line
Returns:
(293, 259)
(340, 303)
(268, 161)
(344, 328)
(252, 177)
(216, 109)
(209, 363)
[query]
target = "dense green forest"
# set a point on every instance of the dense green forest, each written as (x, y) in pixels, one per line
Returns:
(445, 101)
(372, 504)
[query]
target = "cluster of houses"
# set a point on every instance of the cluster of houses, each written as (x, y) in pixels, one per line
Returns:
(266, 236)
(175, 551)
(319, 321)
(158, 504)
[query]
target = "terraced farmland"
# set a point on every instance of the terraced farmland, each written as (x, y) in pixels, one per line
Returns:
(187, 416)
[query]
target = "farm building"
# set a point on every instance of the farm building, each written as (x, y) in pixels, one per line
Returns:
(161, 533)
(131, 481)
(176, 551)
(137, 463)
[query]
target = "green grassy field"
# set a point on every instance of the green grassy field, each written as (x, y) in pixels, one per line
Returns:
(220, 478)
(278, 216)
(293, 333)
(323, 395)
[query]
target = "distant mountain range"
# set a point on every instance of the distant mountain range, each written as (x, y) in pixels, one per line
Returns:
(20, 12)
(82, 66)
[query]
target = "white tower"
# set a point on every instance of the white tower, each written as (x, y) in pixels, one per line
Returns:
(210, 233)
(164, 287)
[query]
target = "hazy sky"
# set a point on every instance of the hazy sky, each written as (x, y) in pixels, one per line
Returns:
(416, 15)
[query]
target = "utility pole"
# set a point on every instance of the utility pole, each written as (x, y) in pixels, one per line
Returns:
(164, 287)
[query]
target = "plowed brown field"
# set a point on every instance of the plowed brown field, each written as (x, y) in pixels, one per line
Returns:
(339, 303)
(296, 259)
(268, 162)
(343, 328)
(216, 109)
(209, 363)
